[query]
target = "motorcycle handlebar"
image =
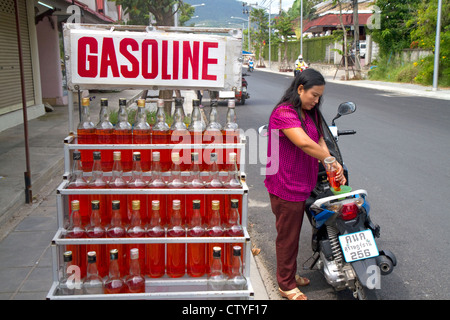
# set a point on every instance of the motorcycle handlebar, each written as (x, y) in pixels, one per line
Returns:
(345, 132)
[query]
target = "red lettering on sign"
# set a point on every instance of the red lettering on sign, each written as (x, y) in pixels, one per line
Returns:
(109, 59)
(145, 59)
(207, 60)
(176, 57)
(87, 64)
(192, 57)
(165, 75)
(124, 70)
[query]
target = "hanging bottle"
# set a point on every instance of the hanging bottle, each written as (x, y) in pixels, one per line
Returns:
(86, 135)
(213, 135)
(175, 180)
(176, 252)
(117, 181)
(116, 229)
(236, 279)
(232, 180)
(114, 283)
(104, 130)
(142, 134)
(179, 134)
(136, 229)
(161, 135)
(98, 181)
(93, 283)
(214, 229)
(156, 179)
(76, 230)
(137, 182)
(96, 230)
(78, 181)
(124, 135)
(156, 252)
(196, 251)
(134, 281)
(233, 228)
(216, 278)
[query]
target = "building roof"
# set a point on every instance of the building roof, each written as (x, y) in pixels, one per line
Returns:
(332, 20)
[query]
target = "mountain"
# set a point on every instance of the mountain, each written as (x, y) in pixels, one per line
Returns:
(218, 13)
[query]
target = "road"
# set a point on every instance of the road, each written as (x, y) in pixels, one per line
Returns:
(400, 155)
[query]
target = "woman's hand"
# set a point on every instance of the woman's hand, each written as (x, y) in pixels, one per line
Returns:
(340, 174)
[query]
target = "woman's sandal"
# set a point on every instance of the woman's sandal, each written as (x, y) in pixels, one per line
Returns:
(301, 281)
(294, 294)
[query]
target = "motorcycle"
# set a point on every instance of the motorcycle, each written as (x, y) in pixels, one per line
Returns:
(250, 66)
(343, 234)
(243, 94)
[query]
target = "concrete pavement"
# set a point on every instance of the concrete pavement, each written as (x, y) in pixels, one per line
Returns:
(26, 230)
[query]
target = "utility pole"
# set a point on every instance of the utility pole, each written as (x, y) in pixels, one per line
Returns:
(356, 38)
(437, 46)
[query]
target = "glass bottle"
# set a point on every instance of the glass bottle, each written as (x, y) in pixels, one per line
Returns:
(233, 228)
(117, 181)
(116, 229)
(76, 230)
(214, 229)
(78, 181)
(156, 252)
(230, 132)
(161, 135)
(213, 134)
(196, 251)
(213, 178)
(124, 135)
(194, 180)
(65, 285)
(156, 180)
(135, 282)
(196, 129)
(114, 283)
(104, 130)
(176, 252)
(175, 179)
(137, 182)
(96, 230)
(98, 181)
(236, 279)
(142, 134)
(216, 278)
(86, 135)
(180, 134)
(93, 283)
(232, 181)
(136, 229)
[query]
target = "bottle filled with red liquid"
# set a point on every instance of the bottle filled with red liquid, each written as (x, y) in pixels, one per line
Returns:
(233, 228)
(114, 283)
(134, 281)
(86, 135)
(96, 230)
(136, 229)
(213, 135)
(124, 135)
(179, 134)
(116, 229)
(76, 230)
(161, 135)
(214, 229)
(78, 181)
(142, 133)
(156, 252)
(176, 252)
(196, 129)
(99, 181)
(156, 178)
(196, 258)
(137, 182)
(104, 130)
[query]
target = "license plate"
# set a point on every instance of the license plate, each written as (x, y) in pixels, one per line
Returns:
(358, 246)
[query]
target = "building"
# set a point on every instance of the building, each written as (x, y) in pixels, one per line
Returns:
(42, 48)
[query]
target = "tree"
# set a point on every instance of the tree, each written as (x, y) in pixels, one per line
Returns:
(283, 25)
(260, 17)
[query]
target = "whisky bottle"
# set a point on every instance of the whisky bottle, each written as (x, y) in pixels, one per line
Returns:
(104, 130)
(86, 135)
(134, 281)
(236, 279)
(124, 135)
(216, 278)
(142, 134)
(93, 283)
(114, 283)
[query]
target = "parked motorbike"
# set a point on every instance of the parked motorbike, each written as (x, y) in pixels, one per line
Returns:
(243, 94)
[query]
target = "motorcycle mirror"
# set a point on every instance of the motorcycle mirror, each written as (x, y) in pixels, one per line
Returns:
(344, 108)
(262, 131)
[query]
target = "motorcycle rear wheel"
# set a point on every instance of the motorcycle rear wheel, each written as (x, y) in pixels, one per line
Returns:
(362, 293)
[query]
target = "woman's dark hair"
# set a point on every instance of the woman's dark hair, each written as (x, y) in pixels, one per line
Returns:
(308, 78)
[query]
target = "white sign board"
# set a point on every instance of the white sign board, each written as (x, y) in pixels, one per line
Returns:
(99, 58)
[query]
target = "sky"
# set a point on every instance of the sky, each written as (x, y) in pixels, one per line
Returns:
(286, 4)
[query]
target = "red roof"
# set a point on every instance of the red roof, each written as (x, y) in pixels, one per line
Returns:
(332, 20)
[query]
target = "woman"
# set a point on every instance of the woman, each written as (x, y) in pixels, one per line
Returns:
(294, 122)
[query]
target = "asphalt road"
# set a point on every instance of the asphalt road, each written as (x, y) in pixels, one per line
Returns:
(400, 155)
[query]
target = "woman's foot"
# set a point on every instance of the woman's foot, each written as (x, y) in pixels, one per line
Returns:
(294, 294)
(301, 282)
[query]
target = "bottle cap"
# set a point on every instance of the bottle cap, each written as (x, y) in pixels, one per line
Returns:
(95, 204)
(213, 157)
(136, 156)
(234, 203)
(114, 254)
(116, 204)
(176, 204)
(141, 103)
(175, 156)
(104, 102)
(231, 103)
(195, 204)
(92, 257)
(134, 253)
(117, 155)
(85, 102)
(237, 251)
(156, 155)
(75, 205)
(216, 252)
(136, 204)
(155, 204)
(67, 256)
(122, 102)
(194, 156)
(76, 155)
(215, 204)
(97, 155)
